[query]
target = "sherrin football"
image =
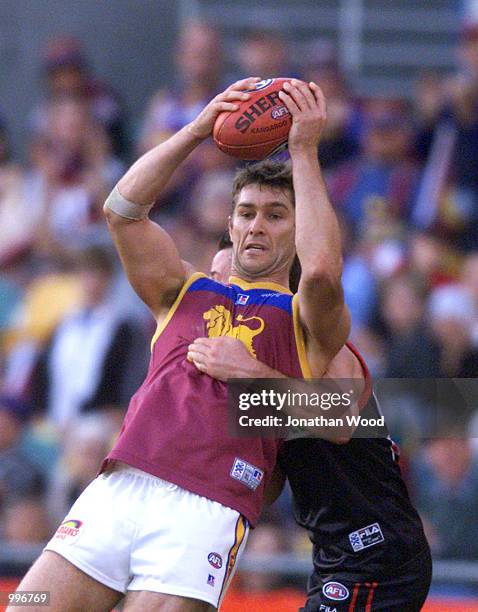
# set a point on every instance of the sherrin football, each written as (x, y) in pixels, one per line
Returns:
(259, 127)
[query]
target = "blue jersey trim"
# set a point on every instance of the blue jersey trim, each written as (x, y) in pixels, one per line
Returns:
(255, 296)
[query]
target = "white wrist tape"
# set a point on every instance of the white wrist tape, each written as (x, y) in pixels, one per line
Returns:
(124, 208)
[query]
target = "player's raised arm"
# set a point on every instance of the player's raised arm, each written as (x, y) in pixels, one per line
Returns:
(148, 254)
(322, 311)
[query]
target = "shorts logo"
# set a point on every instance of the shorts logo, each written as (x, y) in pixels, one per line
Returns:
(211, 580)
(68, 530)
(246, 473)
(262, 84)
(279, 112)
(242, 299)
(215, 560)
(335, 591)
(324, 608)
(365, 537)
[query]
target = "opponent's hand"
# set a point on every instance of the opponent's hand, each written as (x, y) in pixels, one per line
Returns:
(203, 125)
(222, 358)
(306, 104)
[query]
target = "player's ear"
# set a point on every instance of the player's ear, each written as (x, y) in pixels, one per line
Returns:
(229, 224)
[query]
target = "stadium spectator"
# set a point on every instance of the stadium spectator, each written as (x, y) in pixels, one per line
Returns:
(66, 73)
(451, 313)
(264, 53)
(47, 298)
(197, 231)
(360, 284)
(198, 61)
(89, 362)
(411, 351)
(19, 477)
(16, 224)
(84, 447)
(469, 280)
(431, 259)
(448, 142)
(445, 482)
(72, 171)
(199, 72)
(26, 521)
(380, 184)
(341, 140)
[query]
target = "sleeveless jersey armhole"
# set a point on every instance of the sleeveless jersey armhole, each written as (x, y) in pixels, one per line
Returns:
(162, 326)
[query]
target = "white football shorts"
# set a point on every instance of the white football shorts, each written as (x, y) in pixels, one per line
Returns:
(133, 531)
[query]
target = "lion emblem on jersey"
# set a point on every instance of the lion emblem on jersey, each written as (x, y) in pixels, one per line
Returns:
(219, 323)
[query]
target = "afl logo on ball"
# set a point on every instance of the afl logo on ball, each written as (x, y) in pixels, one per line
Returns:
(215, 560)
(335, 591)
(279, 112)
(263, 84)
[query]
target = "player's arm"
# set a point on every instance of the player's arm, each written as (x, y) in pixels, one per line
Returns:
(224, 357)
(148, 254)
(322, 311)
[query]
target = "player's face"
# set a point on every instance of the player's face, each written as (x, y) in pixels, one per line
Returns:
(262, 230)
(221, 265)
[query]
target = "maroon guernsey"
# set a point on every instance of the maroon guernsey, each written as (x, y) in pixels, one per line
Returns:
(176, 426)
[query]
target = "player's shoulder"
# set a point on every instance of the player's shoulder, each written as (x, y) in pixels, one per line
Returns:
(198, 281)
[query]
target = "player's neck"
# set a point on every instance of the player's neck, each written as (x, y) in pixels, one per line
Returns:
(280, 280)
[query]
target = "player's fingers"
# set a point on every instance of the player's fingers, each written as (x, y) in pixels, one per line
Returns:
(319, 96)
(200, 366)
(236, 95)
(244, 83)
(225, 106)
(204, 342)
(305, 92)
(298, 97)
(196, 352)
(289, 102)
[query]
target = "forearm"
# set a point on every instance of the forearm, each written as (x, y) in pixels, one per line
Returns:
(147, 177)
(317, 236)
(256, 369)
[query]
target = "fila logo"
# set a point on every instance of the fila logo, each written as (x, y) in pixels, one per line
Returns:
(365, 537)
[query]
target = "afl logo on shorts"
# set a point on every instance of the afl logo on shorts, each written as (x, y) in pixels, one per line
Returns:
(215, 560)
(335, 591)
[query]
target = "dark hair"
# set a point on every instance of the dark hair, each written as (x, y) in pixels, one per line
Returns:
(294, 275)
(225, 241)
(267, 173)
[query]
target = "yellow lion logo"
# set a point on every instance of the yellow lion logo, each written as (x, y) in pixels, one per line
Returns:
(219, 323)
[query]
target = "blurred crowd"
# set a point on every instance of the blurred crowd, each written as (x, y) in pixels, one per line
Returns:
(402, 175)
